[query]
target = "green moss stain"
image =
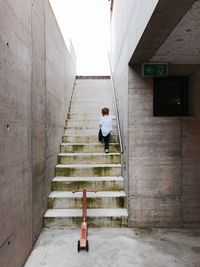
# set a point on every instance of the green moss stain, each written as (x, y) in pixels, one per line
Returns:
(65, 171)
(48, 221)
(50, 203)
(78, 148)
(93, 185)
(120, 202)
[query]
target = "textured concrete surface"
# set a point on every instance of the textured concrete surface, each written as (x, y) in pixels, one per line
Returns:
(161, 154)
(107, 207)
(183, 44)
(36, 76)
(118, 247)
(15, 138)
(160, 26)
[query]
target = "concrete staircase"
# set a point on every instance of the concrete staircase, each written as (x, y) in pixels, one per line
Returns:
(82, 163)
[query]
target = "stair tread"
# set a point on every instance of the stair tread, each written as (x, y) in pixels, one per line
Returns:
(86, 144)
(92, 178)
(85, 127)
(90, 213)
(88, 154)
(93, 114)
(67, 194)
(86, 165)
(79, 134)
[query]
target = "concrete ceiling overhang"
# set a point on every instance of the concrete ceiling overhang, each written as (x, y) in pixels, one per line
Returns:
(183, 44)
(164, 19)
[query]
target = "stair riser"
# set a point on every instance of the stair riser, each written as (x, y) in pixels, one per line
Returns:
(55, 222)
(92, 203)
(102, 99)
(107, 159)
(88, 148)
(91, 128)
(93, 87)
(92, 185)
(80, 109)
(98, 105)
(96, 171)
(86, 139)
(94, 104)
(84, 116)
(85, 131)
(88, 94)
(84, 123)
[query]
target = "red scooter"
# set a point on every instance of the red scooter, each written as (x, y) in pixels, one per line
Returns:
(83, 242)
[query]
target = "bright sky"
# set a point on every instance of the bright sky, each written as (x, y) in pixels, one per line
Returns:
(86, 22)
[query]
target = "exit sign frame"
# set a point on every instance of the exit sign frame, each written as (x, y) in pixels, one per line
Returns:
(155, 69)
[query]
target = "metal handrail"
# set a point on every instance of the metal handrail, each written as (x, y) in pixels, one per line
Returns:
(116, 108)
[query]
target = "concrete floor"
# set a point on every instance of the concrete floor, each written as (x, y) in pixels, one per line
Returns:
(122, 247)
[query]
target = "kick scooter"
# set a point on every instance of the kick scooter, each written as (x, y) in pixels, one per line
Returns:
(83, 242)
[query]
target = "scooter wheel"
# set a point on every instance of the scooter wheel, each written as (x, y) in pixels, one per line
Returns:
(87, 245)
(78, 246)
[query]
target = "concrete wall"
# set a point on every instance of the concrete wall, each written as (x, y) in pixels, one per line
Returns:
(127, 26)
(60, 78)
(161, 152)
(163, 155)
(32, 115)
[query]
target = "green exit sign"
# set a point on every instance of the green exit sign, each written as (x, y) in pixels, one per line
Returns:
(150, 69)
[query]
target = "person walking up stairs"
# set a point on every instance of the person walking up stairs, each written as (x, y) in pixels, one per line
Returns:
(82, 163)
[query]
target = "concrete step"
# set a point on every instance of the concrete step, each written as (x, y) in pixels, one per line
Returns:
(95, 106)
(89, 109)
(93, 103)
(85, 170)
(98, 200)
(95, 218)
(87, 147)
(85, 78)
(86, 131)
(92, 90)
(86, 116)
(93, 97)
(94, 84)
(85, 123)
(89, 94)
(83, 138)
(87, 158)
(105, 183)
